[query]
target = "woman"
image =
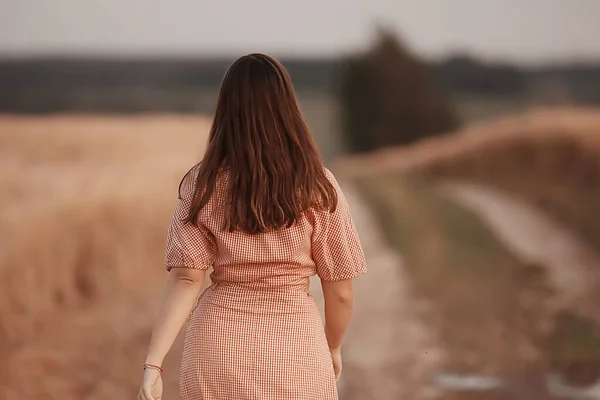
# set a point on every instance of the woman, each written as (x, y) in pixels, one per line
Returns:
(264, 212)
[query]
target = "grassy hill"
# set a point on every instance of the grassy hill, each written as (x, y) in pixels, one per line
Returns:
(491, 309)
(550, 157)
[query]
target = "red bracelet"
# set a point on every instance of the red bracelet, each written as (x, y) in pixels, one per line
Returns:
(156, 367)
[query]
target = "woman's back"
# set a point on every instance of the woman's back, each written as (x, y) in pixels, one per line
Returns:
(267, 266)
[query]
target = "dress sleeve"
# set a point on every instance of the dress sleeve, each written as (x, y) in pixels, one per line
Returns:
(336, 247)
(188, 245)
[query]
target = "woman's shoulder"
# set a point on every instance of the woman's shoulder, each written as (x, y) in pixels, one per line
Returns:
(187, 187)
(333, 180)
(340, 199)
(188, 182)
(330, 175)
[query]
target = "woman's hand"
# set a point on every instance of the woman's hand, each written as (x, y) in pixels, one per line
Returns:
(336, 357)
(152, 385)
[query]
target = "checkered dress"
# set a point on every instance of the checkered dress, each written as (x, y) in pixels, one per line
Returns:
(256, 332)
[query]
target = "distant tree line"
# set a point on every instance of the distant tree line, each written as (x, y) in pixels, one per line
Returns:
(178, 85)
(189, 85)
(463, 74)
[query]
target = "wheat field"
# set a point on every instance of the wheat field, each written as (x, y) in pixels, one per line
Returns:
(84, 206)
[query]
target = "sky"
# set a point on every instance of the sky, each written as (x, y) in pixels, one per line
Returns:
(523, 31)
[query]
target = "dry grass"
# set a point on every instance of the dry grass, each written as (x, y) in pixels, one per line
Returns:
(84, 205)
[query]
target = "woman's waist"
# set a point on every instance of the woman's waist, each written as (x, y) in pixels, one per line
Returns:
(267, 284)
(257, 299)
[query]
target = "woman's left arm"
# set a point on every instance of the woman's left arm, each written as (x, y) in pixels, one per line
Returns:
(180, 295)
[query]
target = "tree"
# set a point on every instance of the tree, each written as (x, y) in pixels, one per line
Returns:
(387, 98)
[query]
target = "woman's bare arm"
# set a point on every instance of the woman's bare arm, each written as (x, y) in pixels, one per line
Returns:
(180, 294)
(339, 299)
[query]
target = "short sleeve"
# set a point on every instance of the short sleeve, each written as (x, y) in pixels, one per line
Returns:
(188, 245)
(336, 246)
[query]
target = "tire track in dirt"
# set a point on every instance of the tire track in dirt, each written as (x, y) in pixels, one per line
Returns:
(389, 353)
(534, 238)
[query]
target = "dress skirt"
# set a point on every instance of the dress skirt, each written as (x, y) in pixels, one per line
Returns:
(248, 344)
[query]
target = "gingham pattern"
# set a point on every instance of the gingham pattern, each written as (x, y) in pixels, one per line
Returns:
(256, 332)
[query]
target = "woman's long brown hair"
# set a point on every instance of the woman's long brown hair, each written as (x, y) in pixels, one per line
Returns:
(259, 136)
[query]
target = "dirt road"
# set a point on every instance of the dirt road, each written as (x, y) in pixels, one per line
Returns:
(534, 238)
(389, 353)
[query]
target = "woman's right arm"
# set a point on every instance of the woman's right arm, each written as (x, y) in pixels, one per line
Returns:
(339, 299)
(338, 257)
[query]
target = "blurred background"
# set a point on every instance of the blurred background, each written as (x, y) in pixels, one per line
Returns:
(466, 134)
